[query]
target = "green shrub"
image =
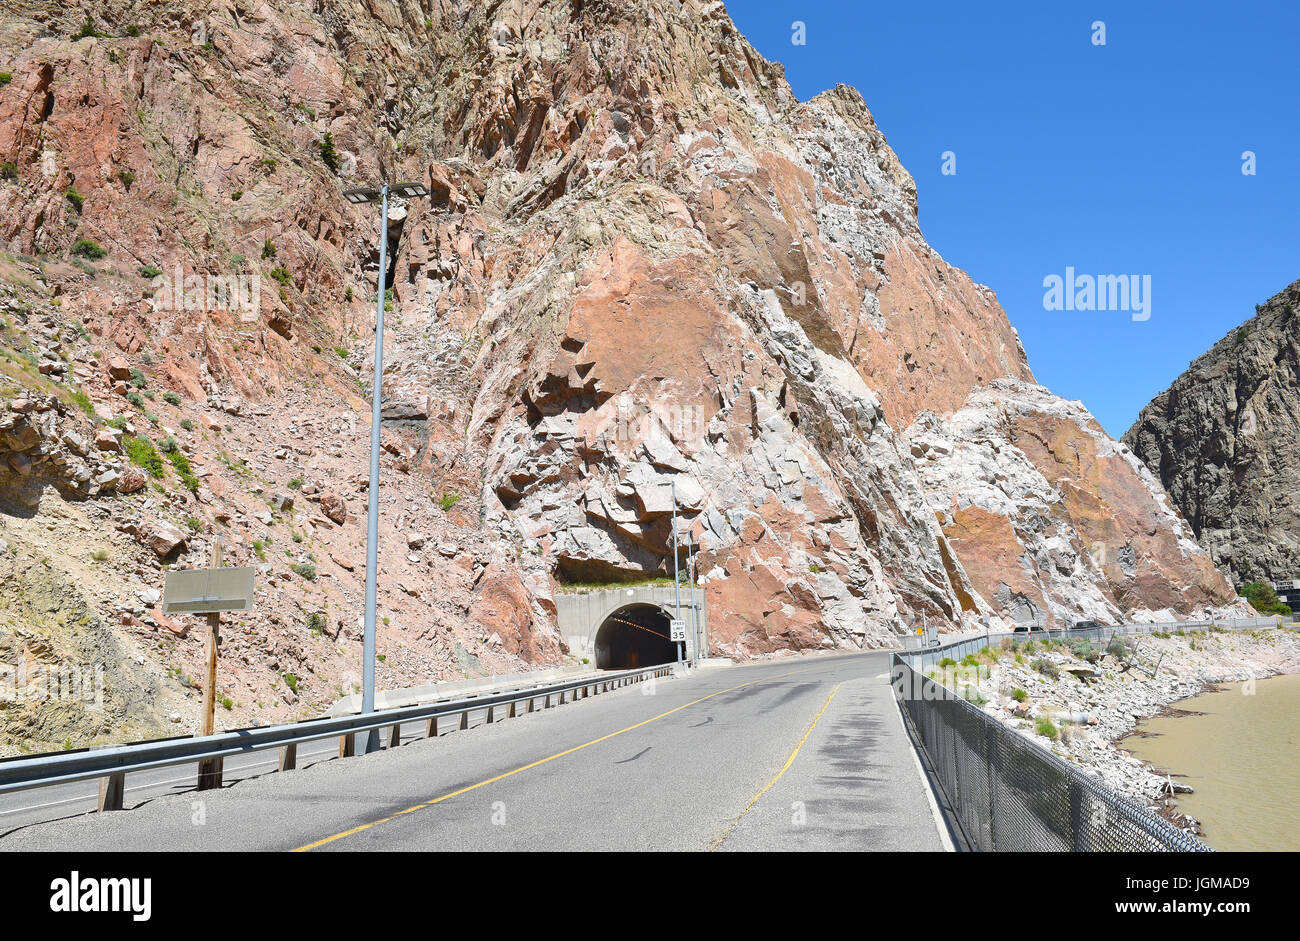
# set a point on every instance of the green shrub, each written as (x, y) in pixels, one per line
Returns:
(268, 249)
(1264, 599)
(150, 271)
(8, 171)
(291, 681)
(1048, 728)
(88, 249)
(306, 569)
(1118, 649)
(947, 662)
(259, 547)
(187, 424)
(237, 195)
(182, 465)
(227, 702)
(1085, 650)
(77, 201)
(194, 524)
(6, 78)
(87, 30)
(295, 483)
(448, 500)
(171, 398)
(82, 401)
(1019, 695)
(143, 454)
(328, 154)
(281, 276)
(136, 399)
(1046, 667)
(127, 178)
(168, 445)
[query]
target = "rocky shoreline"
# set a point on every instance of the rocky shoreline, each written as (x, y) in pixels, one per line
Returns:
(1080, 701)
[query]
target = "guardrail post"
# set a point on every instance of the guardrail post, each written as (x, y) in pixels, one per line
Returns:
(395, 735)
(431, 727)
(492, 714)
(111, 791)
(289, 757)
(210, 774)
(464, 719)
(348, 745)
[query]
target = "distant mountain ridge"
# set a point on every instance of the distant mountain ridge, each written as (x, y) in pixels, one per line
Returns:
(1224, 440)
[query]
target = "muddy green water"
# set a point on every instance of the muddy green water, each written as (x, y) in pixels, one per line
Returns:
(1243, 758)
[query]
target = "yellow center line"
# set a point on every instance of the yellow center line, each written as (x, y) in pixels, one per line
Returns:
(542, 761)
(780, 774)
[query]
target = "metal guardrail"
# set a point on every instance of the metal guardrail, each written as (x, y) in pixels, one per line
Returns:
(113, 763)
(1006, 791)
(930, 656)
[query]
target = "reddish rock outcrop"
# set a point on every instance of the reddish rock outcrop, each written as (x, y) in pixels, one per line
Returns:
(644, 268)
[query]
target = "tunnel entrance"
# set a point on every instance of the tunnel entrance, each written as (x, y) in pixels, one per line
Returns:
(634, 636)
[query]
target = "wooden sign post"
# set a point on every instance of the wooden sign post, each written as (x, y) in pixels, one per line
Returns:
(209, 592)
(210, 770)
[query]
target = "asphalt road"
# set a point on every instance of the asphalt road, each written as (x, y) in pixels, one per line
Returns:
(802, 754)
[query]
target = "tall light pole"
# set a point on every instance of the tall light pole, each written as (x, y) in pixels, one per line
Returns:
(677, 578)
(692, 553)
(360, 196)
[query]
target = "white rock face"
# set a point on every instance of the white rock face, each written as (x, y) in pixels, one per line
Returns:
(1083, 535)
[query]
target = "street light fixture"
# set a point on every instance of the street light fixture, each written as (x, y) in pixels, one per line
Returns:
(361, 196)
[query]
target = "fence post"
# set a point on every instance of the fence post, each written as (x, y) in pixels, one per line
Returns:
(1078, 843)
(991, 752)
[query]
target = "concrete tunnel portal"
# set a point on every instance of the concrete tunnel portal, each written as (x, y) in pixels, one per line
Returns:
(635, 635)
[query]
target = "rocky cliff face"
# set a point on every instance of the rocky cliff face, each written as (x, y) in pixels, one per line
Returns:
(1224, 441)
(645, 266)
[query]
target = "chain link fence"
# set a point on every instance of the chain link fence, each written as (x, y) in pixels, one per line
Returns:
(1008, 793)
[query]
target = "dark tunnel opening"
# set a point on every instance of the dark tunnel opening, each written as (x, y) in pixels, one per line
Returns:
(634, 636)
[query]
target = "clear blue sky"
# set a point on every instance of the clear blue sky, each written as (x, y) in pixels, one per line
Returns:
(1116, 159)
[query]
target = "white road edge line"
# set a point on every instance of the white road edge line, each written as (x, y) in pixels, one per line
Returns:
(939, 823)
